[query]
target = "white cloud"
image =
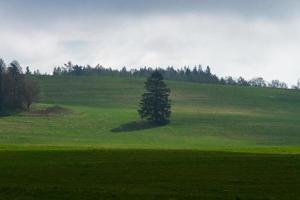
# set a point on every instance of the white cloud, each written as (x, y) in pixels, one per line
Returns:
(232, 45)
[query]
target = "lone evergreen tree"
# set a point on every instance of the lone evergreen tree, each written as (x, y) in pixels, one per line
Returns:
(155, 105)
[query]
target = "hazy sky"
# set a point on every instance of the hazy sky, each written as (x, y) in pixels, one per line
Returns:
(235, 37)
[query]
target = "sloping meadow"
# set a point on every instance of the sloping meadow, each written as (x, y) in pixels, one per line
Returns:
(100, 112)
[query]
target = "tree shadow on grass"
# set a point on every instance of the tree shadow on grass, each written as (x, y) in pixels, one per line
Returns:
(6, 113)
(135, 126)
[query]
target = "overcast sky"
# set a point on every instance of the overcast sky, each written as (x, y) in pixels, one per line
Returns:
(235, 37)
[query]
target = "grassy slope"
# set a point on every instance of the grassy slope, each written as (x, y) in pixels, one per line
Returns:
(205, 117)
(44, 157)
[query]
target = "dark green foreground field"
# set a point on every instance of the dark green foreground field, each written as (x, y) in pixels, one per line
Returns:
(222, 143)
(146, 174)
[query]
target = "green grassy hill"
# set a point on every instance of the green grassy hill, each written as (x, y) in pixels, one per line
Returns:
(205, 117)
(229, 143)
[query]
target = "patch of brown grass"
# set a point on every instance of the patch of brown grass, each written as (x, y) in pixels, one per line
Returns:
(50, 111)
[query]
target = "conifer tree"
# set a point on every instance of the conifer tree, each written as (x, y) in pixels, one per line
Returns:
(155, 104)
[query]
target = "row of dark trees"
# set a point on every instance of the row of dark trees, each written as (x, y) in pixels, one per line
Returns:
(255, 82)
(16, 91)
(196, 74)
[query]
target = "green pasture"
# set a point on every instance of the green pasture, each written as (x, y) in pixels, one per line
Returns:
(223, 142)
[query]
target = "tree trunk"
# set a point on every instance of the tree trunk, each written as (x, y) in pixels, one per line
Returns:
(28, 105)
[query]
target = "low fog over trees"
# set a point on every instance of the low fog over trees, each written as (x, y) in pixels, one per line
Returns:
(16, 92)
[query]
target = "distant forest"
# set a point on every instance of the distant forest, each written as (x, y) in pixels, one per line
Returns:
(196, 74)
